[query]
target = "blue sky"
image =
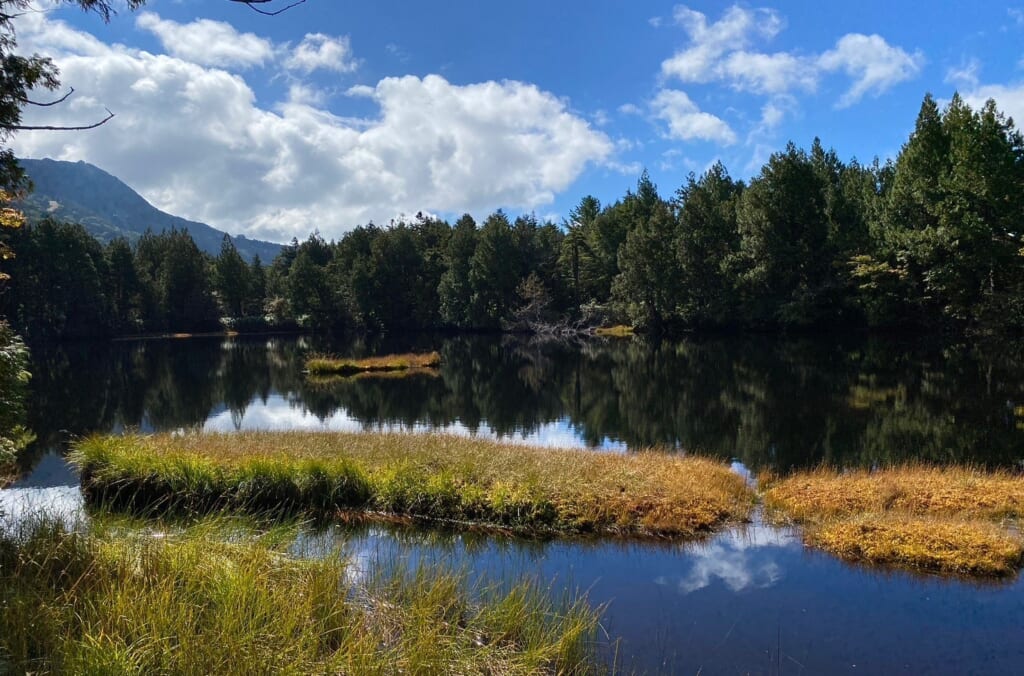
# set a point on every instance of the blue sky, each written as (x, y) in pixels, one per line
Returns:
(335, 113)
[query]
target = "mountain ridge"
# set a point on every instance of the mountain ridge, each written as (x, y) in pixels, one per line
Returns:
(108, 208)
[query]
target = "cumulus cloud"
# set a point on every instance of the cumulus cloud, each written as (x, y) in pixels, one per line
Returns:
(685, 120)
(701, 60)
(208, 43)
(1009, 98)
(322, 52)
(193, 140)
(720, 51)
(776, 73)
(874, 65)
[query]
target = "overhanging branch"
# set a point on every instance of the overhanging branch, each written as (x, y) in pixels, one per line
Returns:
(62, 99)
(252, 5)
(19, 127)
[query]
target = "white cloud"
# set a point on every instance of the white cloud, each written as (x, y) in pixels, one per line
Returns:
(700, 61)
(964, 75)
(874, 65)
(322, 52)
(1009, 99)
(685, 120)
(630, 109)
(208, 43)
(721, 51)
(776, 73)
(194, 141)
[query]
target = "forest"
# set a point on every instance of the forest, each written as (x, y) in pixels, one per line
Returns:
(930, 240)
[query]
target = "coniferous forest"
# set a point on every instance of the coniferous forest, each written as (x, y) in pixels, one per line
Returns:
(930, 240)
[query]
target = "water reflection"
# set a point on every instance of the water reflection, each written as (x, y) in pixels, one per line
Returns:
(768, 402)
(739, 559)
(749, 601)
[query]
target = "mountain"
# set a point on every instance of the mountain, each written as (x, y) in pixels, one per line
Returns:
(82, 193)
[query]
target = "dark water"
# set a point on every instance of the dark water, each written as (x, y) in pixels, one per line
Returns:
(747, 601)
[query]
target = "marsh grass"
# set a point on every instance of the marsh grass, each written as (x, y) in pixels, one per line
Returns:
(949, 520)
(105, 601)
(328, 381)
(927, 543)
(618, 331)
(329, 365)
(421, 476)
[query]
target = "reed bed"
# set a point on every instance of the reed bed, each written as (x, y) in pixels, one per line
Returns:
(421, 476)
(195, 603)
(954, 520)
(330, 365)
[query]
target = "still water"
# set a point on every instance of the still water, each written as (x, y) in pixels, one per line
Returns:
(752, 600)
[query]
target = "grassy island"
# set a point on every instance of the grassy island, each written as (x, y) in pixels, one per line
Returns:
(321, 365)
(418, 476)
(99, 601)
(948, 520)
(618, 331)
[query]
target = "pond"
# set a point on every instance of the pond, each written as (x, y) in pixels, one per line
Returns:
(751, 600)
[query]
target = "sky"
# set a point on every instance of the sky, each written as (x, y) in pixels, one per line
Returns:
(335, 114)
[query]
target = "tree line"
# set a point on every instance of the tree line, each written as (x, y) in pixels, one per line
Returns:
(930, 239)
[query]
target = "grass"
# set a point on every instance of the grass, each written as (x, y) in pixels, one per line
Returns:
(420, 476)
(329, 365)
(619, 331)
(948, 520)
(327, 381)
(193, 602)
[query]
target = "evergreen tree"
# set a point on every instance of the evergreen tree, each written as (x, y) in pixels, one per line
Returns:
(648, 283)
(455, 290)
(493, 273)
(123, 286)
(783, 243)
(231, 279)
(708, 241)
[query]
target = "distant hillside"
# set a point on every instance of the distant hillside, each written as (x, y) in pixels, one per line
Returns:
(82, 193)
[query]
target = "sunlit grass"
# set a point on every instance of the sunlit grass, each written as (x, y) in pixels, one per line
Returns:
(936, 544)
(423, 476)
(950, 519)
(619, 331)
(326, 364)
(193, 602)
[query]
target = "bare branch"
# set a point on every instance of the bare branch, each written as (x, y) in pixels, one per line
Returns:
(18, 127)
(62, 99)
(252, 5)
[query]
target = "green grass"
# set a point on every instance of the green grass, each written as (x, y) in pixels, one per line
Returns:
(420, 476)
(950, 520)
(319, 365)
(197, 602)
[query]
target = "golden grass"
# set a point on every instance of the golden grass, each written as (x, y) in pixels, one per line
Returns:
(421, 476)
(326, 381)
(951, 491)
(928, 543)
(326, 364)
(950, 519)
(619, 331)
